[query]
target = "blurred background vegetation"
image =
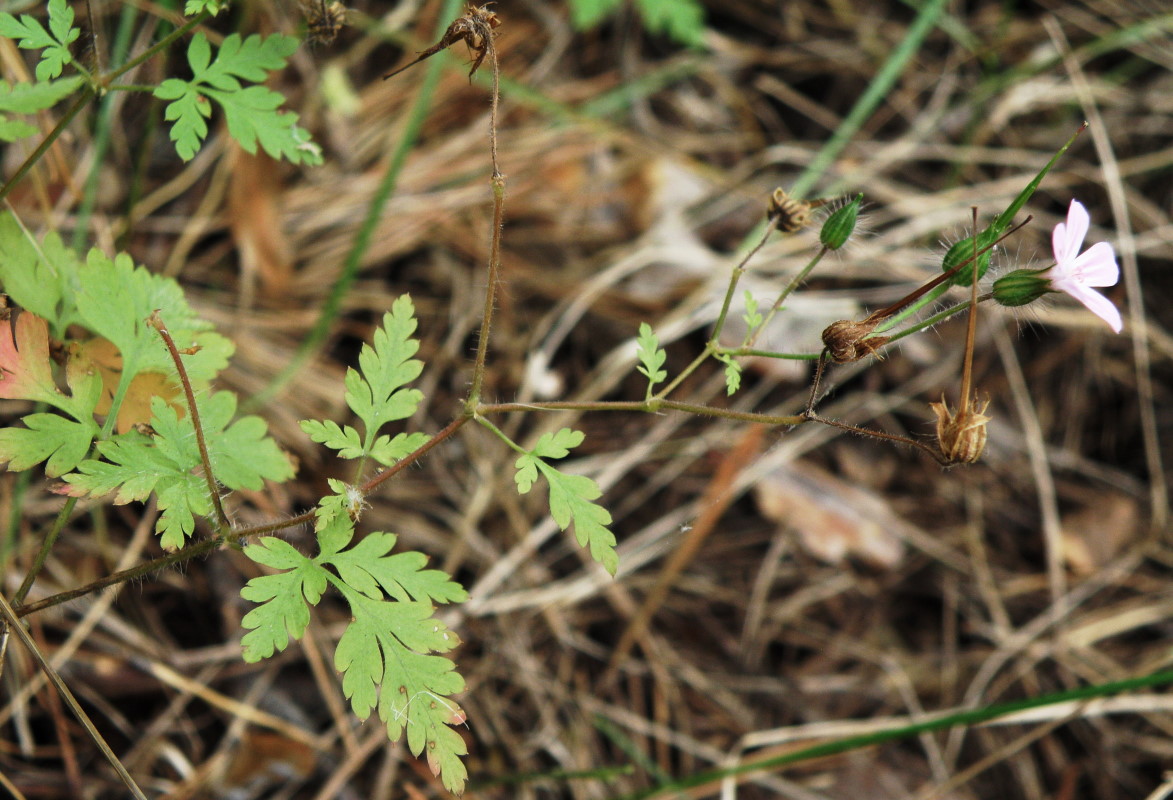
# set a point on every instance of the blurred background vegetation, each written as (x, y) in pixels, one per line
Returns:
(840, 583)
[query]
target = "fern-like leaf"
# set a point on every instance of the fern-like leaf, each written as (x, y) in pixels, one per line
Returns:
(386, 653)
(251, 112)
(570, 495)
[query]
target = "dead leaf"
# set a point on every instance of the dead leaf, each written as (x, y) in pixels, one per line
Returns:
(254, 216)
(832, 520)
(101, 356)
(1094, 536)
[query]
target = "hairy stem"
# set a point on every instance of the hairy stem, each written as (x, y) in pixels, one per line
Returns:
(498, 182)
(222, 522)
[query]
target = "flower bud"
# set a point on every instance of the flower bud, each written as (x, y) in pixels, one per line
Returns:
(1021, 287)
(963, 251)
(847, 340)
(840, 225)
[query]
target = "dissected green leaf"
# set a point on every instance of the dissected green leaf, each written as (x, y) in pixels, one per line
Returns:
(651, 356)
(64, 442)
(682, 20)
(282, 612)
(213, 7)
(38, 276)
(250, 111)
(368, 568)
(382, 648)
(732, 374)
(570, 501)
(387, 450)
(376, 391)
(29, 98)
(386, 653)
(753, 318)
(344, 440)
(134, 464)
(54, 42)
(570, 495)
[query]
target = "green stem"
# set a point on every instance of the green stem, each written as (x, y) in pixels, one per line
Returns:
(752, 336)
(947, 720)
(649, 406)
(710, 348)
(157, 47)
(102, 131)
(500, 434)
(877, 91)
(738, 271)
(940, 316)
(362, 240)
(44, 550)
(737, 352)
(78, 104)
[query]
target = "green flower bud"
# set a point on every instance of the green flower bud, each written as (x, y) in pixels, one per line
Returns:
(1021, 287)
(840, 225)
(963, 251)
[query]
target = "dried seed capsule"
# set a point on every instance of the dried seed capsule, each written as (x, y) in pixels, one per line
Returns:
(961, 437)
(789, 214)
(848, 340)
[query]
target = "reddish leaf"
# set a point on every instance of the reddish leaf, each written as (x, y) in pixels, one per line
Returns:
(25, 369)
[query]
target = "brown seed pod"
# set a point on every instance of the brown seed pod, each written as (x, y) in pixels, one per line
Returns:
(961, 437)
(847, 340)
(323, 20)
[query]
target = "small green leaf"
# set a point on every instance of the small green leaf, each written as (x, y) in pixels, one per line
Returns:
(213, 7)
(558, 444)
(651, 356)
(283, 597)
(387, 450)
(376, 391)
(550, 445)
(732, 374)
(54, 43)
(250, 111)
(62, 441)
(367, 567)
(570, 495)
(344, 440)
(682, 20)
(753, 319)
(585, 14)
(29, 98)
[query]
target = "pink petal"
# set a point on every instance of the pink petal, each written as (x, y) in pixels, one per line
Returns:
(1094, 301)
(1096, 266)
(1068, 237)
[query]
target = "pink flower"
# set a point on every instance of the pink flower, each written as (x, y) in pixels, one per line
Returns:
(1075, 272)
